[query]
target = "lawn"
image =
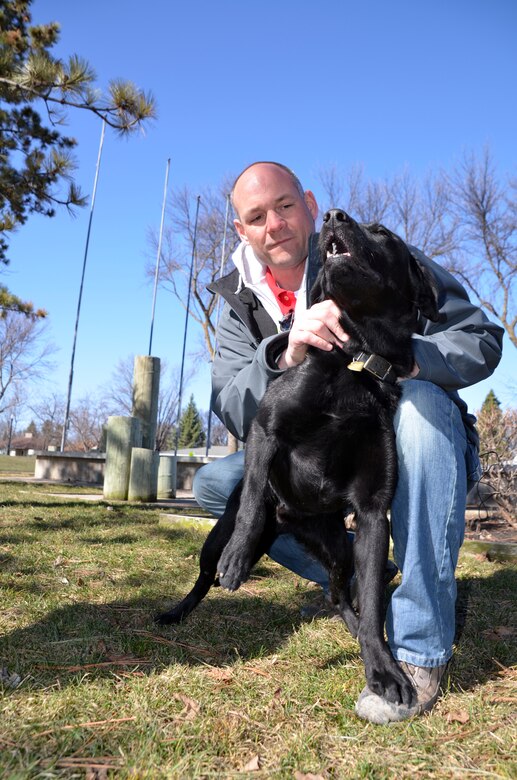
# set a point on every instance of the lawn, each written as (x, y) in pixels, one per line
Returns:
(17, 464)
(243, 689)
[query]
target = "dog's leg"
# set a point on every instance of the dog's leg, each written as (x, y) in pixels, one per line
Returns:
(239, 554)
(326, 538)
(211, 551)
(383, 675)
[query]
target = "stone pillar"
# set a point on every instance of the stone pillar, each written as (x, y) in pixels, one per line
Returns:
(146, 387)
(167, 476)
(144, 474)
(123, 433)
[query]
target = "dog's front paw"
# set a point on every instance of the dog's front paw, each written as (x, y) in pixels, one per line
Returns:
(388, 680)
(233, 568)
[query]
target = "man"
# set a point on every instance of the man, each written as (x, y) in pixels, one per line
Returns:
(266, 326)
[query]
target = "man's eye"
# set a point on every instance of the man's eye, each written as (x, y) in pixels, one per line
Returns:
(287, 205)
(255, 220)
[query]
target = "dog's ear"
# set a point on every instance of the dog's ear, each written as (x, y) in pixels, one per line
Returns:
(318, 289)
(425, 294)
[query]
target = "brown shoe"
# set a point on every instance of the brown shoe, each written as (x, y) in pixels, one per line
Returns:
(426, 682)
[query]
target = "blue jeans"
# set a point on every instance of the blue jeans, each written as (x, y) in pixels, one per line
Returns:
(427, 522)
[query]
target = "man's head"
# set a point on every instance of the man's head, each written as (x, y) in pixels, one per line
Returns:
(274, 215)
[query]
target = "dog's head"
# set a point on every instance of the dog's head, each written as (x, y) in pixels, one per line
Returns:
(368, 270)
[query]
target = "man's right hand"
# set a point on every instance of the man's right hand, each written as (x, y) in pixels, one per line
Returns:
(317, 327)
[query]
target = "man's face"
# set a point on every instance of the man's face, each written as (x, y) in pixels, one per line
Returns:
(273, 216)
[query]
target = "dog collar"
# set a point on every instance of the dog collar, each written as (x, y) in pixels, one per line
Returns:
(374, 364)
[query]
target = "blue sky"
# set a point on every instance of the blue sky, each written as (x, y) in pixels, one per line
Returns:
(385, 84)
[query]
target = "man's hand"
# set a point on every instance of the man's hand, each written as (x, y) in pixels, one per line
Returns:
(317, 327)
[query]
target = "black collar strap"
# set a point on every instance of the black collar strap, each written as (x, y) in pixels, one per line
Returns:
(374, 364)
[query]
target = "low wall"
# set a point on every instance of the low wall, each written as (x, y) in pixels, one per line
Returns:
(83, 467)
(88, 468)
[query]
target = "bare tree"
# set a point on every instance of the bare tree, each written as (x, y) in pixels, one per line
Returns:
(486, 209)
(364, 199)
(87, 419)
(418, 210)
(498, 434)
(466, 219)
(177, 249)
(118, 397)
(49, 412)
(24, 356)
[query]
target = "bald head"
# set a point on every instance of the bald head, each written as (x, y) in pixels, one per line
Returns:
(274, 215)
(296, 181)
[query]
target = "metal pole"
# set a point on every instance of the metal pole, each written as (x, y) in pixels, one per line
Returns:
(223, 259)
(159, 253)
(223, 252)
(186, 325)
(11, 421)
(71, 377)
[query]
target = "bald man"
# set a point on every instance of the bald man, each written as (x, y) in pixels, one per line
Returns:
(267, 326)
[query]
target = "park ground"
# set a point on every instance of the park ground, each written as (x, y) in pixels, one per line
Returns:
(244, 688)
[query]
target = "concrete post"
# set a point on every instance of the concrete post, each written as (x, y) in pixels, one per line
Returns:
(146, 388)
(123, 434)
(144, 474)
(167, 476)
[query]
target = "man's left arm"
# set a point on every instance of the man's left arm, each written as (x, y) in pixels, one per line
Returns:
(464, 347)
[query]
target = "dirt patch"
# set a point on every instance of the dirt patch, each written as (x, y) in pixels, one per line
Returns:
(488, 526)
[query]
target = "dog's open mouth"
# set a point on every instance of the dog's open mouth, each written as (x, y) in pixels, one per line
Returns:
(335, 247)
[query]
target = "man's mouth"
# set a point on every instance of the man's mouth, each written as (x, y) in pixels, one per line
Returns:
(279, 243)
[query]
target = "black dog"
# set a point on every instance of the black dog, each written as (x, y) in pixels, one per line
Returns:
(323, 440)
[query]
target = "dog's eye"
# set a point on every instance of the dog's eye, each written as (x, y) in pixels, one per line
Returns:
(382, 231)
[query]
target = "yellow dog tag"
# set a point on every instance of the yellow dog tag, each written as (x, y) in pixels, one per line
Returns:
(356, 365)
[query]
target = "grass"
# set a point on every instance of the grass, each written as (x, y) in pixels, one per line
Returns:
(242, 689)
(17, 464)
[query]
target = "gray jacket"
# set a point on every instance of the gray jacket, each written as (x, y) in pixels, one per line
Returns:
(461, 349)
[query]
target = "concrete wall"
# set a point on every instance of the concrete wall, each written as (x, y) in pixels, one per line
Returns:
(88, 468)
(84, 467)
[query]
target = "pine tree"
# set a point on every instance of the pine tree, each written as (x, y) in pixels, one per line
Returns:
(35, 159)
(491, 402)
(191, 432)
(491, 428)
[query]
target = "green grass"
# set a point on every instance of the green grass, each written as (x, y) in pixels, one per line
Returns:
(17, 464)
(106, 693)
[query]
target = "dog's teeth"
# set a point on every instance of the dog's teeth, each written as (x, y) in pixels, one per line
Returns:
(334, 249)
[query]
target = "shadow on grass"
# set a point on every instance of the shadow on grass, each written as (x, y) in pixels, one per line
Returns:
(102, 640)
(120, 637)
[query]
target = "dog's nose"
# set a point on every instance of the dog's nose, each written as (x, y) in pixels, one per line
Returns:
(335, 215)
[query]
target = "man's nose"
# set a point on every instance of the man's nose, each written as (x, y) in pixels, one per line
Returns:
(274, 221)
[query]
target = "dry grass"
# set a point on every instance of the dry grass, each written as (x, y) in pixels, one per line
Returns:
(242, 689)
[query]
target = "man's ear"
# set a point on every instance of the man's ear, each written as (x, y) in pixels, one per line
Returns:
(240, 230)
(311, 203)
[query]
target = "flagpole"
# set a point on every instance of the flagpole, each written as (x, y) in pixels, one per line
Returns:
(158, 257)
(186, 324)
(71, 376)
(221, 270)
